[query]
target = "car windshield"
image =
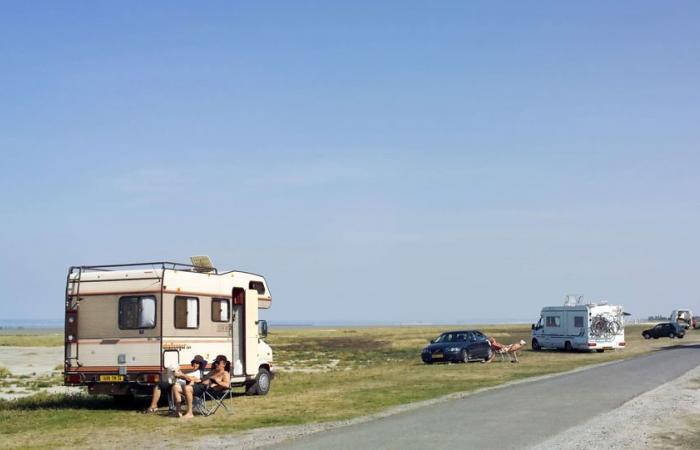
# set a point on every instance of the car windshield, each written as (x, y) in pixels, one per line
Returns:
(451, 337)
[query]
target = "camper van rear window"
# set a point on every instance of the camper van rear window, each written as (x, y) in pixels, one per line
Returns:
(136, 312)
(186, 312)
(258, 286)
(220, 308)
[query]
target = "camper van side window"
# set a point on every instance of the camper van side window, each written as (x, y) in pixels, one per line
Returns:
(220, 308)
(258, 286)
(578, 321)
(137, 312)
(186, 312)
(552, 321)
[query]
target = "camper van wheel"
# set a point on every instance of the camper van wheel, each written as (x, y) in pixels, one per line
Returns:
(536, 345)
(568, 347)
(600, 350)
(261, 386)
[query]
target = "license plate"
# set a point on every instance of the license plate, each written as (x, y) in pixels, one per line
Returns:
(109, 378)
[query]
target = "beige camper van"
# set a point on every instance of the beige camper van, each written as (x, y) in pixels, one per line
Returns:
(125, 323)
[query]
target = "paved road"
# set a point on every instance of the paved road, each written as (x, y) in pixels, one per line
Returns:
(532, 411)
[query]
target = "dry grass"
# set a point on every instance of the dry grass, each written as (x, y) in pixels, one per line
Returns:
(376, 368)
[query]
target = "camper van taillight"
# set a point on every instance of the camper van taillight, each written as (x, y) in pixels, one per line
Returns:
(592, 344)
(72, 378)
(621, 344)
(148, 378)
(71, 325)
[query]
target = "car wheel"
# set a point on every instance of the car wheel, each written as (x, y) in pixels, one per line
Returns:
(568, 347)
(261, 385)
(465, 356)
(536, 345)
(489, 354)
(672, 335)
(646, 336)
(681, 336)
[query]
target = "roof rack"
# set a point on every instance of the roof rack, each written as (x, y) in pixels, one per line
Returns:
(161, 264)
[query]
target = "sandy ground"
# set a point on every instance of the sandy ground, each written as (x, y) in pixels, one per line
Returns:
(33, 362)
(639, 423)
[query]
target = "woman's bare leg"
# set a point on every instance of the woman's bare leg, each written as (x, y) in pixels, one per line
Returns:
(188, 399)
(155, 397)
(176, 392)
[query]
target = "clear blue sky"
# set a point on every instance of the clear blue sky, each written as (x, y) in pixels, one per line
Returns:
(402, 161)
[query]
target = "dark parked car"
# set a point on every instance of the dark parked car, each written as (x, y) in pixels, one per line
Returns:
(458, 346)
(666, 329)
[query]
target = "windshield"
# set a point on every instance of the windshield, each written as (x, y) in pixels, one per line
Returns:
(451, 337)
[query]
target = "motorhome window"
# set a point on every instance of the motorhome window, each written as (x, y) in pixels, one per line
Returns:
(258, 286)
(186, 312)
(578, 321)
(220, 308)
(136, 312)
(552, 321)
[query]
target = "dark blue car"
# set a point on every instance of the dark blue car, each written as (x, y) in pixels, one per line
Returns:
(458, 346)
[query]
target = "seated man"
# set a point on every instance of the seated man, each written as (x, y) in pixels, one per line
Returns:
(166, 383)
(217, 382)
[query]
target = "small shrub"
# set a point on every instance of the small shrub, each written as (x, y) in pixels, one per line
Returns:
(4, 372)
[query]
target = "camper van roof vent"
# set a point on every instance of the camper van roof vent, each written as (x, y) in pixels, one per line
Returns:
(202, 263)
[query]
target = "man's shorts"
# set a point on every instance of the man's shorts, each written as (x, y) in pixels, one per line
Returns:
(164, 385)
(198, 389)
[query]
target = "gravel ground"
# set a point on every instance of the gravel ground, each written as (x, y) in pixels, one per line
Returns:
(639, 423)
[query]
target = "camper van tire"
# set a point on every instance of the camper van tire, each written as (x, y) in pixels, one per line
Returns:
(600, 350)
(536, 345)
(568, 347)
(261, 386)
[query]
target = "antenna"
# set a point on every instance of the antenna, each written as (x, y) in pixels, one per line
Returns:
(202, 263)
(573, 300)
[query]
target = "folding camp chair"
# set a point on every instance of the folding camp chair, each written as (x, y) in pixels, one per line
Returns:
(210, 401)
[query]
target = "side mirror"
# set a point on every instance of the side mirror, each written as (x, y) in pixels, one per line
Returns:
(432, 341)
(262, 328)
(533, 326)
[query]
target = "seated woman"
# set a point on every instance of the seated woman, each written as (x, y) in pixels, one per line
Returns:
(217, 382)
(166, 385)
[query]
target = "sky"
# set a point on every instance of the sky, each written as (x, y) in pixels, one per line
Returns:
(391, 162)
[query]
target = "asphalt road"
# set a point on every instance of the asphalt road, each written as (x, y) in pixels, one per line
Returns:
(515, 416)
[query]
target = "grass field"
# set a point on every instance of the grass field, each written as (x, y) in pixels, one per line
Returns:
(30, 338)
(326, 374)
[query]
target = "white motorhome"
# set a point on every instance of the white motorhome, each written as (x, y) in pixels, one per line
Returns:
(579, 326)
(683, 317)
(125, 323)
